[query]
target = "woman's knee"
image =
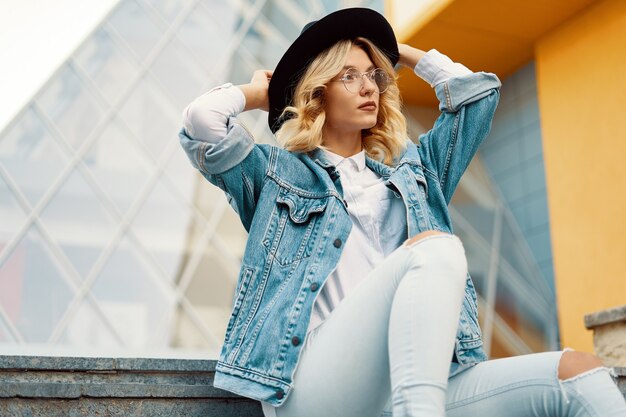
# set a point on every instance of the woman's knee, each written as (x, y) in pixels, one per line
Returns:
(443, 253)
(574, 363)
(420, 236)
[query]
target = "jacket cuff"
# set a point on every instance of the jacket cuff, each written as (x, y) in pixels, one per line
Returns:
(461, 91)
(215, 158)
(436, 68)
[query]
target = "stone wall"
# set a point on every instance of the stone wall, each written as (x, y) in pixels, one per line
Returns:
(609, 335)
(53, 386)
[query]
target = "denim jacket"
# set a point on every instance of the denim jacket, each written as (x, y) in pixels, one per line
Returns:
(292, 207)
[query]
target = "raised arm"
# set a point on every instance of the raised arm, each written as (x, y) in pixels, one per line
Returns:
(467, 102)
(222, 149)
(206, 118)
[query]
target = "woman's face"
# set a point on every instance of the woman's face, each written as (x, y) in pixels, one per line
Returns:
(346, 111)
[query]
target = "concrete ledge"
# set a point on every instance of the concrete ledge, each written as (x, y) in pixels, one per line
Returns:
(608, 316)
(70, 386)
(55, 386)
(609, 335)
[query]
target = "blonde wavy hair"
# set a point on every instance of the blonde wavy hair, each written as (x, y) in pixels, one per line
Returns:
(302, 131)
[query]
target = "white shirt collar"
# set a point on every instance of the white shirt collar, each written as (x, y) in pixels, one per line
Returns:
(357, 160)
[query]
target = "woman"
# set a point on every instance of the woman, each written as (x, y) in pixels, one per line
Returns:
(353, 297)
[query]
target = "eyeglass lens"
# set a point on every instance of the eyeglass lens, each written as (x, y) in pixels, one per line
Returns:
(353, 80)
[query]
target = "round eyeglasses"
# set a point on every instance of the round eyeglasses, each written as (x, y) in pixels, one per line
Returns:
(353, 79)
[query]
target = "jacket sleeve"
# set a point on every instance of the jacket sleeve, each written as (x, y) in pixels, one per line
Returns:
(236, 164)
(467, 104)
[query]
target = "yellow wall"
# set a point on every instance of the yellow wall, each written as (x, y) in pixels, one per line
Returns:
(581, 81)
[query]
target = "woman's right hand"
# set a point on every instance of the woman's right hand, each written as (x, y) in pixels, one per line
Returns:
(256, 91)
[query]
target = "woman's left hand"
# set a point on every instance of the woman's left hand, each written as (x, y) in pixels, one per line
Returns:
(409, 56)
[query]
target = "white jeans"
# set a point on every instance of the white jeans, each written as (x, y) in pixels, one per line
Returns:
(388, 346)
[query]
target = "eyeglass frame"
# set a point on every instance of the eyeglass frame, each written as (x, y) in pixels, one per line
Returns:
(362, 81)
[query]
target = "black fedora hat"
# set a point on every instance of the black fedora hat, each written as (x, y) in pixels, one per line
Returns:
(318, 36)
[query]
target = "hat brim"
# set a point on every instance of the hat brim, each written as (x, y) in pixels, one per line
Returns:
(348, 23)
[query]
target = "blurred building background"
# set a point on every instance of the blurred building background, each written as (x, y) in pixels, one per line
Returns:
(111, 242)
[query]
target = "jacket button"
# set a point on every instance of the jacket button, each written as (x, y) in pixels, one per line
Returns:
(280, 394)
(337, 243)
(314, 286)
(295, 340)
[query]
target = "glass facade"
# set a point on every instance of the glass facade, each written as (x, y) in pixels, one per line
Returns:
(110, 240)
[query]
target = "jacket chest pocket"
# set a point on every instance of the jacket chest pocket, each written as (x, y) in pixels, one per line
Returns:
(293, 226)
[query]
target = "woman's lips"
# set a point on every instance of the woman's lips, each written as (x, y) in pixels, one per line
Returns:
(369, 106)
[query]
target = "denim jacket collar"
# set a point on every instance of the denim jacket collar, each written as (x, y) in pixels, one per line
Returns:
(320, 158)
(410, 156)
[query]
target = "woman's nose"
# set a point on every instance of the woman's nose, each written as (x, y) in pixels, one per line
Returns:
(368, 85)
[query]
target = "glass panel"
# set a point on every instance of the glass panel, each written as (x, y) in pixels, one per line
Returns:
(242, 68)
(253, 42)
(477, 215)
(31, 156)
(182, 175)
(189, 186)
(87, 330)
(500, 346)
(12, 218)
(473, 220)
(187, 334)
(11, 214)
(151, 118)
(284, 24)
(169, 9)
(331, 5)
(33, 291)
(232, 234)
(378, 5)
(521, 310)
(275, 43)
(4, 333)
(11, 282)
(478, 254)
(106, 64)
(229, 14)
(178, 74)
(207, 33)
(213, 282)
(120, 168)
(82, 255)
(511, 250)
(67, 102)
(125, 288)
(138, 30)
(165, 236)
(75, 218)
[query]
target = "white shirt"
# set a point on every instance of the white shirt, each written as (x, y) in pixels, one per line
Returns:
(378, 227)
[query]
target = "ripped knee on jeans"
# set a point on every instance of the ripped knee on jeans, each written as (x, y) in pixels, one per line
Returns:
(575, 366)
(574, 363)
